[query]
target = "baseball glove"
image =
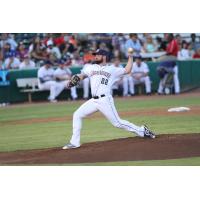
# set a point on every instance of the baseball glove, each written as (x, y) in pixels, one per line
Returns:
(74, 81)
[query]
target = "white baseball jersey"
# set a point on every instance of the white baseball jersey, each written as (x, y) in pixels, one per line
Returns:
(45, 74)
(102, 77)
(101, 80)
(143, 68)
(62, 72)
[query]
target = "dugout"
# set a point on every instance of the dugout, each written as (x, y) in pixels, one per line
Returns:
(189, 76)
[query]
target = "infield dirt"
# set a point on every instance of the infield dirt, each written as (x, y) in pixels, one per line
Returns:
(127, 149)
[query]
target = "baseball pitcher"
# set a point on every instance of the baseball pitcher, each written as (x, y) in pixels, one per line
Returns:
(102, 76)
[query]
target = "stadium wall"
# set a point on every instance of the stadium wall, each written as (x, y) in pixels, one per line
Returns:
(189, 76)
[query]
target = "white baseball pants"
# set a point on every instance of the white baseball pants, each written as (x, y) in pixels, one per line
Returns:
(176, 82)
(106, 106)
(133, 82)
(54, 87)
(72, 89)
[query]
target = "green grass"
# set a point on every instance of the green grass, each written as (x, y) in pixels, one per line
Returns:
(53, 134)
(193, 161)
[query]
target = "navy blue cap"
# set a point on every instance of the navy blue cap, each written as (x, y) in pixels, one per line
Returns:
(61, 61)
(48, 62)
(138, 56)
(101, 52)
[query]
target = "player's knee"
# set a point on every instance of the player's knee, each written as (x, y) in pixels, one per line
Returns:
(116, 124)
(76, 115)
(147, 79)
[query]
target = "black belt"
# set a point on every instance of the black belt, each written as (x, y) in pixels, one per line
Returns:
(97, 97)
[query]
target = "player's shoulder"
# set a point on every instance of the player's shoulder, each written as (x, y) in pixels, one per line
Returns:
(41, 69)
(144, 64)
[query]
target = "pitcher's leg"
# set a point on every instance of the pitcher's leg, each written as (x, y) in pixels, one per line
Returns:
(107, 107)
(84, 110)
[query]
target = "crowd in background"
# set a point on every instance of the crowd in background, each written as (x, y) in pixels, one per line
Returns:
(21, 51)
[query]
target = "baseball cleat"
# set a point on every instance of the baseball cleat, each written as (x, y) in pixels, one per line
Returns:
(148, 133)
(70, 146)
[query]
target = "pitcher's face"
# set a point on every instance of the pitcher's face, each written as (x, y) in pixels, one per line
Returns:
(98, 59)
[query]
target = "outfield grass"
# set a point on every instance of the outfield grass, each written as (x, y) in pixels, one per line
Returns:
(54, 134)
(194, 161)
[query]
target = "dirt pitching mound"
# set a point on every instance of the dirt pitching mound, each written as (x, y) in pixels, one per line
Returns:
(127, 149)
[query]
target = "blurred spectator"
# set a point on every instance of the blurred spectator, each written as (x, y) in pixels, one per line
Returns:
(8, 38)
(62, 75)
(178, 39)
(12, 42)
(140, 74)
(144, 37)
(197, 54)
(184, 53)
(77, 59)
(88, 56)
(21, 51)
(7, 51)
(172, 47)
(37, 50)
(195, 44)
(149, 45)
(11, 62)
(27, 63)
(53, 50)
(161, 44)
(133, 43)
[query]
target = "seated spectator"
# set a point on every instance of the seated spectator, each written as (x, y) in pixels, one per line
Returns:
(161, 44)
(195, 44)
(11, 62)
(53, 50)
(37, 50)
(197, 54)
(46, 81)
(178, 39)
(139, 74)
(67, 48)
(88, 56)
(62, 75)
(73, 41)
(7, 51)
(12, 42)
(8, 38)
(149, 45)
(184, 53)
(27, 63)
(172, 47)
(77, 59)
(21, 51)
(133, 43)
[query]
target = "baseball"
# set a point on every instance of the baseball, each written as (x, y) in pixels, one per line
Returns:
(130, 50)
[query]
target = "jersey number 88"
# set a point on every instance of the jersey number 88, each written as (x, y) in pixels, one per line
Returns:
(104, 81)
